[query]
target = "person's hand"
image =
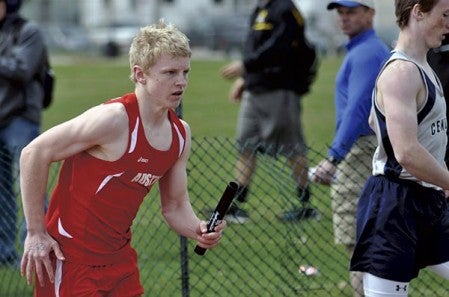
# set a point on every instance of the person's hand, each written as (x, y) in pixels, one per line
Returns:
(232, 70)
(235, 94)
(36, 257)
(212, 239)
(324, 173)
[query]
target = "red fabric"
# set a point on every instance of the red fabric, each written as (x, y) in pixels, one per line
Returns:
(96, 201)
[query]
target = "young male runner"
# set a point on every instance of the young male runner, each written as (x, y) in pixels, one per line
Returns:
(113, 154)
(403, 216)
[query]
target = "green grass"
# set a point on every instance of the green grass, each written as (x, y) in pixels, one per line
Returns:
(83, 83)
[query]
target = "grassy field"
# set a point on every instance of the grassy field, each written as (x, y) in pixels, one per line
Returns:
(84, 82)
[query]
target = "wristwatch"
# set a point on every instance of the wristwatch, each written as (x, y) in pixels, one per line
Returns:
(333, 160)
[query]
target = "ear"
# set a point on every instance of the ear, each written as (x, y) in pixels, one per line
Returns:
(371, 13)
(139, 75)
(417, 12)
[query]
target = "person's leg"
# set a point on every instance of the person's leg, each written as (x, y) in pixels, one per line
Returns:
(72, 279)
(345, 192)
(355, 277)
(126, 280)
(247, 142)
(293, 140)
(8, 207)
(245, 166)
(383, 216)
(16, 136)
(287, 137)
(440, 269)
(378, 287)
(344, 205)
(299, 165)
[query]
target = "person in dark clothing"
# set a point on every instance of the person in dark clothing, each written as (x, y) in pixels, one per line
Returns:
(269, 85)
(22, 54)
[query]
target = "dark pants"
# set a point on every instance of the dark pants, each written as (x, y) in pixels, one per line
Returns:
(13, 138)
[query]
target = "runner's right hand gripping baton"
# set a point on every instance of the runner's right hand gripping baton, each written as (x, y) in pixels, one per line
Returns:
(220, 211)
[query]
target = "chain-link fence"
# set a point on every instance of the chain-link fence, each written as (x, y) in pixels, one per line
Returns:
(259, 258)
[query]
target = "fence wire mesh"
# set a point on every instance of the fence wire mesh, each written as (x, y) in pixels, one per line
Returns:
(259, 258)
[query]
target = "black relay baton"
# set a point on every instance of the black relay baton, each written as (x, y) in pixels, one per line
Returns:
(220, 211)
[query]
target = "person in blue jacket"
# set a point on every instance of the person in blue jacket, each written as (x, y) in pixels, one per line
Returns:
(354, 142)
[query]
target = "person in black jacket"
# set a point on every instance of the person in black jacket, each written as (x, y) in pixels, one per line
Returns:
(22, 53)
(270, 80)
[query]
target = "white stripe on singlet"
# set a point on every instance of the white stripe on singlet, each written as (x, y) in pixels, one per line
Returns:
(58, 277)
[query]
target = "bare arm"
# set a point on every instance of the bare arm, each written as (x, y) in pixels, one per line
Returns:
(90, 131)
(176, 207)
(399, 102)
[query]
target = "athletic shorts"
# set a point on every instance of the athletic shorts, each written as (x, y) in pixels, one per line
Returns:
(71, 279)
(270, 122)
(401, 228)
(345, 191)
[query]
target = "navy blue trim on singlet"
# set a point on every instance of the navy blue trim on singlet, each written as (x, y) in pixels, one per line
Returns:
(431, 97)
(392, 167)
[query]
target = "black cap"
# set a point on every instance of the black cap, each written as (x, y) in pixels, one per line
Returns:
(12, 6)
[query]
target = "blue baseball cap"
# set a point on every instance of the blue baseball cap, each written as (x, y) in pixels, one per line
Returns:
(347, 3)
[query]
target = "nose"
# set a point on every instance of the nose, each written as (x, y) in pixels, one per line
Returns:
(182, 80)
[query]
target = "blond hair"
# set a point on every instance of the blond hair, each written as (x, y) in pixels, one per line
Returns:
(155, 40)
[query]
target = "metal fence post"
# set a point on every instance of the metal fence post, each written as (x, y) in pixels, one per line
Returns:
(184, 267)
(183, 247)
